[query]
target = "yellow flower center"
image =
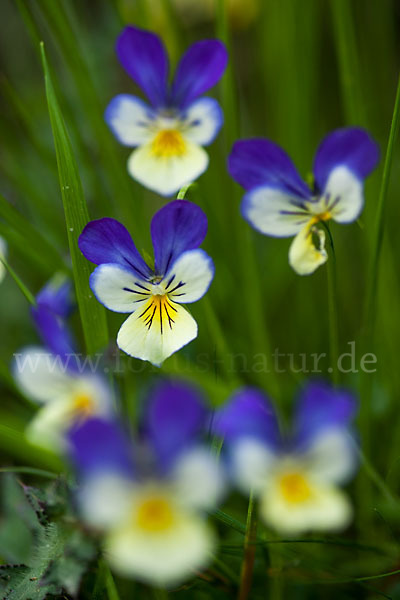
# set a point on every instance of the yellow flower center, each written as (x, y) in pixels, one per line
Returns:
(324, 216)
(83, 405)
(159, 310)
(167, 143)
(294, 488)
(154, 515)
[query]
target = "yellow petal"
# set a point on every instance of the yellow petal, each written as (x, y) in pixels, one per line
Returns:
(307, 251)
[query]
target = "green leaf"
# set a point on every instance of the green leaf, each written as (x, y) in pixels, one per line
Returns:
(76, 216)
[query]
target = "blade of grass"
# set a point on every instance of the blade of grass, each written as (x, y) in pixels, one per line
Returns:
(349, 68)
(364, 487)
(76, 217)
(26, 292)
(65, 28)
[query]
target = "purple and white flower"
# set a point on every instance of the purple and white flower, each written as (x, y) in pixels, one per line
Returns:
(297, 477)
(170, 131)
(123, 282)
(53, 376)
(149, 498)
(280, 204)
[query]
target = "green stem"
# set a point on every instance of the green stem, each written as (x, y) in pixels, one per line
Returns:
(380, 215)
(28, 295)
(364, 485)
(333, 311)
(246, 576)
(29, 471)
(111, 588)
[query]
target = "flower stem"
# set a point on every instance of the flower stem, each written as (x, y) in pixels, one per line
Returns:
(246, 575)
(333, 311)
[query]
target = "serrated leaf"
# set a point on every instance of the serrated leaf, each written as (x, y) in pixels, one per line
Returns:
(30, 584)
(76, 217)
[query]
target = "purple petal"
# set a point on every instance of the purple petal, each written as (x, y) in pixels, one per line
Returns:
(350, 147)
(143, 56)
(199, 69)
(177, 227)
(248, 413)
(100, 446)
(56, 298)
(108, 241)
(53, 305)
(176, 416)
(259, 162)
(322, 407)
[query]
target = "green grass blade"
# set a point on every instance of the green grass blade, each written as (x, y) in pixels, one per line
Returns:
(76, 216)
(28, 295)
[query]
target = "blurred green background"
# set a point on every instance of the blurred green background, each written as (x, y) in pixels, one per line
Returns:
(298, 69)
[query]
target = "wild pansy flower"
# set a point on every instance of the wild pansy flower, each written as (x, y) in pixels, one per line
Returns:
(3, 254)
(149, 498)
(279, 203)
(296, 478)
(53, 376)
(170, 132)
(123, 282)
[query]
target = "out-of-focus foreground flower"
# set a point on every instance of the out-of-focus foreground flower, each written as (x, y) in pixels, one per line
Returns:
(148, 498)
(54, 377)
(296, 479)
(279, 203)
(123, 282)
(170, 133)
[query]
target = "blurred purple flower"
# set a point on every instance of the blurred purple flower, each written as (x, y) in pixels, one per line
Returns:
(149, 498)
(296, 478)
(54, 376)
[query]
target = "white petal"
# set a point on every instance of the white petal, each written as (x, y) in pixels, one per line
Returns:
(328, 509)
(162, 558)
(118, 289)
(190, 276)
(203, 120)
(273, 212)
(332, 457)
(156, 340)
(3, 254)
(345, 191)
(304, 257)
(130, 119)
(43, 378)
(251, 464)
(167, 175)
(49, 425)
(105, 500)
(199, 479)
(41, 375)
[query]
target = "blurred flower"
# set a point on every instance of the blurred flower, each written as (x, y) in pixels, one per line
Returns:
(148, 499)
(3, 254)
(158, 325)
(279, 203)
(296, 479)
(169, 133)
(54, 376)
